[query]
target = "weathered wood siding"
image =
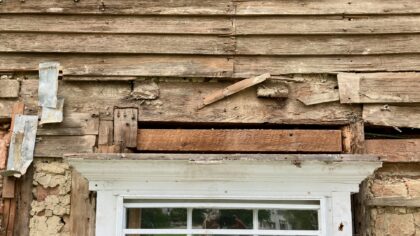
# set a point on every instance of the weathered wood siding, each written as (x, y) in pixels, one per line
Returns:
(210, 38)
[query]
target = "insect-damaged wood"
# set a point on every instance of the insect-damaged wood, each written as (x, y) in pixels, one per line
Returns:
(125, 127)
(379, 87)
(353, 136)
(323, 141)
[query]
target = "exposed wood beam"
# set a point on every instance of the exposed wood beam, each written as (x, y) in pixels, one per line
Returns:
(323, 141)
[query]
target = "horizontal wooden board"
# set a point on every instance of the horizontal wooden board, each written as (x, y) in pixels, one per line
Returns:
(213, 7)
(220, 25)
(123, 65)
(210, 45)
(73, 124)
(388, 115)
(379, 87)
(246, 66)
(116, 24)
(372, 24)
(178, 102)
(194, 140)
(276, 7)
(394, 150)
(115, 43)
(134, 7)
(327, 45)
(56, 146)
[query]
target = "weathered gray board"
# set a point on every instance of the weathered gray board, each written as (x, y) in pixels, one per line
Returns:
(48, 84)
(22, 144)
(53, 115)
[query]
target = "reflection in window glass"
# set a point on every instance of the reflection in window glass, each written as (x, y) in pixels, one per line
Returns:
(288, 219)
(156, 218)
(221, 219)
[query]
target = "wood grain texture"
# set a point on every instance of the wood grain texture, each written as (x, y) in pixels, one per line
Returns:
(132, 7)
(325, 141)
(213, 7)
(327, 45)
(24, 199)
(104, 24)
(318, 89)
(106, 132)
(275, 7)
(124, 65)
(261, 25)
(9, 88)
(116, 43)
(388, 115)
(178, 101)
(56, 146)
(394, 150)
(246, 66)
(125, 127)
(82, 208)
(379, 87)
(74, 123)
(281, 25)
(354, 138)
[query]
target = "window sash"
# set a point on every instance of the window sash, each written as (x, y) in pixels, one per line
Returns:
(222, 205)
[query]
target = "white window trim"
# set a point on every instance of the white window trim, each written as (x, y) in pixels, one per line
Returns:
(329, 178)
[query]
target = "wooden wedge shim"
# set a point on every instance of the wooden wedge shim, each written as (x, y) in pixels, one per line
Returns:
(232, 89)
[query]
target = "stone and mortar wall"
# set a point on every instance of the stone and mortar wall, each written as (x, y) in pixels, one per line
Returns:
(400, 217)
(50, 207)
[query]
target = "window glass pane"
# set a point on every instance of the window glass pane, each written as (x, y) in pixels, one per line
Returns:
(221, 219)
(156, 218)
(288, 219)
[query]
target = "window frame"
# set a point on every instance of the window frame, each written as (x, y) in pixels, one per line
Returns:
(330, 177)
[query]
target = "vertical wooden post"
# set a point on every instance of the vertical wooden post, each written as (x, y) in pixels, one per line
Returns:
(353, 138)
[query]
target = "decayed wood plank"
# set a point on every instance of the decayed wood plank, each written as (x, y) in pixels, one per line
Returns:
(372, 24)
(325, 141)
(116, 43)
(125, 127)
(6, 108)
(327, 45)
(132, 7)
(274, 7)
(379, 87)
(8, 188)
(9, 88)
(353, 136)
(232, 89)
(82, 209)
(116, 24)
(74, 123)
(318, 89)
(177, 102)
(394, 150)
(271, 89)
(99, 78)
(387, 115)
(106, 132)
(56, 146)
(254, 65)
(124, 65)
(23, 201)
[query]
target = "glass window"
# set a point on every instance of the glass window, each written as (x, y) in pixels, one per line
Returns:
(203, 218)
